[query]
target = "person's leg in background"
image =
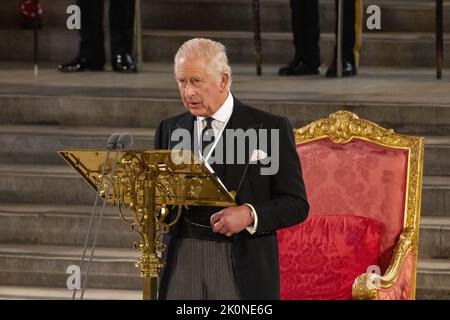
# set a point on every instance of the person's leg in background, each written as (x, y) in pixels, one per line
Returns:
(306, 33)
(121, 21)
(91, 53)
(351, 38)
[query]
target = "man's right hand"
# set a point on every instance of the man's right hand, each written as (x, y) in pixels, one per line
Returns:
(231, 220)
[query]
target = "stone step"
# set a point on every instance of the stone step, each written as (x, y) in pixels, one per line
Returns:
(55, 184)
(397, 15)
(44, 293)
(434, 238)
(39, 144)
(36, 265)
(405, 16)
(23, 183)
(61, 225)
(433, 279)
(409, 101)
(436, 196)
(378, 49)
(406, 118)
(437, 153)
(90, 111)
(431, 293)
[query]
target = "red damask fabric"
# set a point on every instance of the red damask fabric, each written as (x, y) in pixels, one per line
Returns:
(321, 258)
(358, 178)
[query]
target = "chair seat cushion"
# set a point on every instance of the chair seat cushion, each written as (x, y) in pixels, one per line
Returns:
(321, 257)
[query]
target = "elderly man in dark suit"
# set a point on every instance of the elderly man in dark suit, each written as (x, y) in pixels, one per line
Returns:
(230, 253)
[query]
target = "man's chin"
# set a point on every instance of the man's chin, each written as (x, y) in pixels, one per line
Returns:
(198, 111)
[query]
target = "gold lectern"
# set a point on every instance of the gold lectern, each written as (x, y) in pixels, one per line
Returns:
(144, 185)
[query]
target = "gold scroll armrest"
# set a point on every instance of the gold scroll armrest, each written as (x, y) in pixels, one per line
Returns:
(367, 288)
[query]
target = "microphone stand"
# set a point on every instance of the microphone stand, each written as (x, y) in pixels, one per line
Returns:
(111, 143)
(94, 244)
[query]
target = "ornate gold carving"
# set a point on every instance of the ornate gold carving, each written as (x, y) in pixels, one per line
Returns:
(364, 289)
(343, 126)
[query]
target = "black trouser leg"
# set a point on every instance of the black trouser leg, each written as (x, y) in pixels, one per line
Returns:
(121, 21)
(92, 43)
(348, 36)
(306, 30)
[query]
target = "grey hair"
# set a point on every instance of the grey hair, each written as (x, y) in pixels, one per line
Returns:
(212, 51)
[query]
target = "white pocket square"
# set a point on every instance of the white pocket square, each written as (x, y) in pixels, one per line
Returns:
(258, 155)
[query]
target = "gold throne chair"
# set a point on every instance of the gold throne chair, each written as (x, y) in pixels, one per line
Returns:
(361, 238)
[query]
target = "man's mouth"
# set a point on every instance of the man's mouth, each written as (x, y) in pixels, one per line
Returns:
(194, 104)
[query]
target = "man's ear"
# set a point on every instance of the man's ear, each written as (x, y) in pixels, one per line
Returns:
(224, 81)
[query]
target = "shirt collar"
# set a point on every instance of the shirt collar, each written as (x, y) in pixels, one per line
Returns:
(224, 112)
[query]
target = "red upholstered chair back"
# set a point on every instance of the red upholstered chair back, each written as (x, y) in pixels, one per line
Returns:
(358, 178)
(362, 179)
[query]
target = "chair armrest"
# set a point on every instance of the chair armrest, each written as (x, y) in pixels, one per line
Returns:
(396, 283)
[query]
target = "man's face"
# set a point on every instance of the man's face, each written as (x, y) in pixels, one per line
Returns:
(201, 94)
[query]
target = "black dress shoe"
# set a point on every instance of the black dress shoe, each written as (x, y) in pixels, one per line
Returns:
(348, 70)
(297, 68)
(80, 64)
(124, 63)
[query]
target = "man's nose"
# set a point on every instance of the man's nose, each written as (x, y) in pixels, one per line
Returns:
(189, 90)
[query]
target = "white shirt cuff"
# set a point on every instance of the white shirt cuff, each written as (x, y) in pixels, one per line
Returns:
(252, 230)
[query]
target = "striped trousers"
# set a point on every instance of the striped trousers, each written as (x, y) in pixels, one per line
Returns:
(202, 270)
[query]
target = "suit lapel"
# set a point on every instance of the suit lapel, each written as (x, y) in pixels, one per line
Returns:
(241, 118)
(186, 122)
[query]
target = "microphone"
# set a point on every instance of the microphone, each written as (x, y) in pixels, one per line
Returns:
(112, 141)
(124, 141)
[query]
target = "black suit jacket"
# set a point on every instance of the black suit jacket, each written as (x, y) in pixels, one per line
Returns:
(279, 200)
